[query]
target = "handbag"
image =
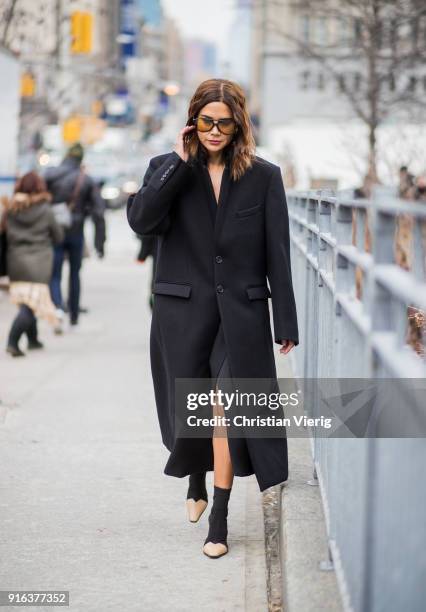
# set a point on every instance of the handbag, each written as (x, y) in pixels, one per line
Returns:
(63, 210)
(63, 215)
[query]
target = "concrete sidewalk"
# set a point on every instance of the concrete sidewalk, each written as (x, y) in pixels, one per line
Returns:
(305, 586)
(84, 503)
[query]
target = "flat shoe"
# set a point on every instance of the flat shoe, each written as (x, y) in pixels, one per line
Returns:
(214, 551)
(195, 509)
(15, 351)
(34, 346)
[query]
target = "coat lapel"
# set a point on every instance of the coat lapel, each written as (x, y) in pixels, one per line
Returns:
(217, 211)
(222, 207)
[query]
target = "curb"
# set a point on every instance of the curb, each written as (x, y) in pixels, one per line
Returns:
(255, 594)
(271, 504)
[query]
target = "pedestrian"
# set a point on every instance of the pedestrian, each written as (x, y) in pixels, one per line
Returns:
(70, 184)
(406, 182)
(31, 231)
(221, 216)
(418, 191)
(148, 248)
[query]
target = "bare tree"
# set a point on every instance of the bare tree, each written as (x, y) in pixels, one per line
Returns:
(373, 49)
(7, 14)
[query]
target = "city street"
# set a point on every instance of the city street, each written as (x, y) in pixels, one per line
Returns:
(278, 148)
(84, 503)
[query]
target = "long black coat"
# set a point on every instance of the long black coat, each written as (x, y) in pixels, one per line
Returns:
(210, 270)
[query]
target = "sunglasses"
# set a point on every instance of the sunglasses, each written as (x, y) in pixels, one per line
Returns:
(205, 124)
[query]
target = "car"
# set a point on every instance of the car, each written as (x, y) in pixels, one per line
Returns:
(115, 191)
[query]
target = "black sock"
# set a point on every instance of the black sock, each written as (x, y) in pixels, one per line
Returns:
(218, 527)
(197, 487)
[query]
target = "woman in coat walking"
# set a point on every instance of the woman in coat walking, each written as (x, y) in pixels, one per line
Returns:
(31, 232)
(221, 216)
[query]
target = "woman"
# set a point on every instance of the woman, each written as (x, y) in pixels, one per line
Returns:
(31, 232)
(221, 216)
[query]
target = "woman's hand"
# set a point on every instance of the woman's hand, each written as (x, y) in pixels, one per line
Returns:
(180, 145)
(287, 345)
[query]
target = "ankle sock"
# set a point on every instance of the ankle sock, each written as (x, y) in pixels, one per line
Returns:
(197, 487)
(218, 526)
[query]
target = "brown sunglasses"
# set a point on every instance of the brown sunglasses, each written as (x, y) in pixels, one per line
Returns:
(204, 123)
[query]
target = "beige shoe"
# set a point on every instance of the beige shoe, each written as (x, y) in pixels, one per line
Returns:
(195, 509)
(214, 551)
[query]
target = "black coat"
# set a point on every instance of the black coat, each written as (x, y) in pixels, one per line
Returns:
(213, 268)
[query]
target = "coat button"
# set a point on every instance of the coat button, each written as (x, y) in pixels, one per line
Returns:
(219, 289)
(219, 259)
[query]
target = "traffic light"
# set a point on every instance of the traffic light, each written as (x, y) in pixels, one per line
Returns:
(27, 85)
(71, 129)
(81, 32)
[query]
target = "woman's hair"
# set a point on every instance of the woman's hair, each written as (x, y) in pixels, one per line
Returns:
(30, 189)
(240, 152)
(31, 183)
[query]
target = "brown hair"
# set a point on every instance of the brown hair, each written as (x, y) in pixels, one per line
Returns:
(241, 151)
(30, 189)
(31, 183)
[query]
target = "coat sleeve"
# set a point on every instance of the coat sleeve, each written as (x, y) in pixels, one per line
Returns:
(148, 211)
(278, 261)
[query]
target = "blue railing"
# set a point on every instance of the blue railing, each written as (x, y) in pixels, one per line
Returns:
(355, 302)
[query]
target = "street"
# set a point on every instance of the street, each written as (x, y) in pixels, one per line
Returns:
(84, 504)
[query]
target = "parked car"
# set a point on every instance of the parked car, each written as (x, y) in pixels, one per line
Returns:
(115, 191)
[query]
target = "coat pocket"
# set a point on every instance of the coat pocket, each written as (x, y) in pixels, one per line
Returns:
(245, 212)
(258, 293)
(169, 288)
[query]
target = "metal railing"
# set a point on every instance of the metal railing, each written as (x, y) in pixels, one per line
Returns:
(352, 299)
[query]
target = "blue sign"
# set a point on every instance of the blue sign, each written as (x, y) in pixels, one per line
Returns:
(128, 23)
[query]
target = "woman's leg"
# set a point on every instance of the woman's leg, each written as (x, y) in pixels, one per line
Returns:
(223, 472)
(20, 325)
(32, 334)
(215, 545)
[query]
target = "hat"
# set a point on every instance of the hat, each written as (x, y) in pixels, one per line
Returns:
(76, 151)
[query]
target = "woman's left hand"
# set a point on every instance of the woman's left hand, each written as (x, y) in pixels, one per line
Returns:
(287, 345)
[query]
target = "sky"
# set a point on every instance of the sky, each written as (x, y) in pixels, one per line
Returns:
(200, 19)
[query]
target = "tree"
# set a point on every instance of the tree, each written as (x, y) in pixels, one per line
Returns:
(372, 49)
(7, 14)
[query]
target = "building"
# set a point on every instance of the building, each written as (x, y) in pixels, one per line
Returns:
(200, 62)
(301, 102)
(67, 77)
(239, 45)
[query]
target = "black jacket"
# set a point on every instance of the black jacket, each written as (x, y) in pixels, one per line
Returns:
(61, 182)
(213, 268)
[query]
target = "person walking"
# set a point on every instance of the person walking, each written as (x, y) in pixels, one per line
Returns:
(31, 231)
(69, 183)
(148, 248)
(221, 218)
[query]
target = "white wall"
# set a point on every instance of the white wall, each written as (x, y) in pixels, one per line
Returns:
(9, 119)
(338, 150)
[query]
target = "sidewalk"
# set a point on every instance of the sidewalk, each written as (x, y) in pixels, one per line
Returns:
(84, 503)
(303, 545)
